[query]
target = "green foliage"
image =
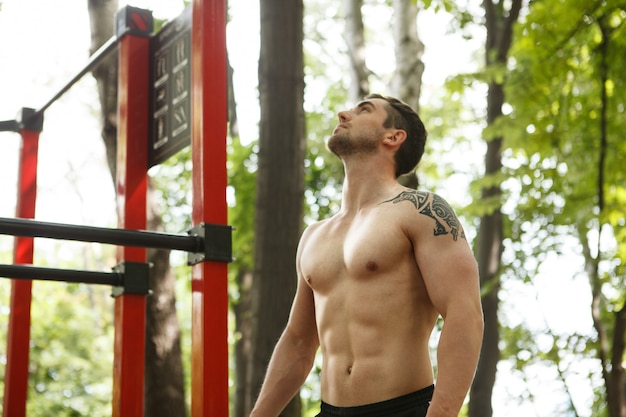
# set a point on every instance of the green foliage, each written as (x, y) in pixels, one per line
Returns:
(71, 359)
(528, 351)
(466, 15)
(71, 349)
(172, 182)
(323, 171)
(550, 183)
(242, 167)
(554, 141)
(554, 132)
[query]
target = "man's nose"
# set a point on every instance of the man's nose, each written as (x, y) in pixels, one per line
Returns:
(343, 115)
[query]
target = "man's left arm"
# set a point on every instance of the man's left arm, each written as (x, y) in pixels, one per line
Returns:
(451, 277)
(457, 354)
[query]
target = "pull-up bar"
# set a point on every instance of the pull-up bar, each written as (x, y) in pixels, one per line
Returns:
(102, 53)
(30, 272)
(218, 248)
(126, 278)
(9, 126)
(124, 237)
(98, 56)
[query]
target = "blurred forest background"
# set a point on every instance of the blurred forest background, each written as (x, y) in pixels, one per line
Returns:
(524, 103)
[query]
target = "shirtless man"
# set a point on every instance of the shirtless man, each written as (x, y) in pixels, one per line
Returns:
(372, 281)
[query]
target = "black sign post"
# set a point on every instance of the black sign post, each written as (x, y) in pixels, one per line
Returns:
(170, 89)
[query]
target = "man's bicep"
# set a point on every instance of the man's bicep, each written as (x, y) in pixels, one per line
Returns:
(449, 271)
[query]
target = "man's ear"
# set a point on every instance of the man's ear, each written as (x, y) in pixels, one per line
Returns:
(395, 138)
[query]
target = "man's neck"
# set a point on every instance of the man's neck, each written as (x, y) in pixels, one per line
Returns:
(366, 183)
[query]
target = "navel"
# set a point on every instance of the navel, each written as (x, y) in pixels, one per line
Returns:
(349, 370)
(372, 266)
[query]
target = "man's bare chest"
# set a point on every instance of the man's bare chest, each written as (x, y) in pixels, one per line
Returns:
(359, 249)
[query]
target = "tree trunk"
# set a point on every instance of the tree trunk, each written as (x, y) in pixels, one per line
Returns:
(409, 49)
(280, 181)
(164, 393)
(355, 40)
(242, 307)
(499, 25)
(164, 379)
(243, 350)
(102, 21)
(610, 348)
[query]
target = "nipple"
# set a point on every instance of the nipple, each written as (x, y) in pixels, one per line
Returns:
(372, 266)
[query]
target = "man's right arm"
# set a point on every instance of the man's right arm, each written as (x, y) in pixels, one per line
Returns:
(289, 366)
(293, 355)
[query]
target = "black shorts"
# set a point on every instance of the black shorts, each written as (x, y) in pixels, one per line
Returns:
(410, 405)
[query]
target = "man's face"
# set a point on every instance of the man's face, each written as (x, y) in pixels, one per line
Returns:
(360, 129)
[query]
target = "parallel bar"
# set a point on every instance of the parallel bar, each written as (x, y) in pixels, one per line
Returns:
(102, 52)
(29, 272)
(123, 237)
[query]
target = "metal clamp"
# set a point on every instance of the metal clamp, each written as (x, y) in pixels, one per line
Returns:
(218, 243)
(135, 278)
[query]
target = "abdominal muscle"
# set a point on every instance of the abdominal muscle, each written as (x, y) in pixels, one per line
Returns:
(374, 342)
(373, 314)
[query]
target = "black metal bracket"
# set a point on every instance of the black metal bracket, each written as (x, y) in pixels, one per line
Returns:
(30, 119)
(135, 278)
(135, 21)
(218, 243)
(27, 118)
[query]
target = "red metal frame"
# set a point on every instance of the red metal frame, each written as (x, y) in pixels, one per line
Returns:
(18, 338)
(209, 379)
(131, 184)
(209, 278)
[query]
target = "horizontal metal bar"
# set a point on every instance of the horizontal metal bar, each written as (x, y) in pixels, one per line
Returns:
(102, 52)
(9, 126)
(29, 272)
(122, 237)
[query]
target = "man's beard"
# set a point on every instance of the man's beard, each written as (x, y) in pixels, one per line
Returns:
(342, 144)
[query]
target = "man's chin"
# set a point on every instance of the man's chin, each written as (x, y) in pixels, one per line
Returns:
(338, 144)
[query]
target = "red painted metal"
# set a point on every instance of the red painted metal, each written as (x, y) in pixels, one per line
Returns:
(209, 384)
(18, 337)
(209, 279)
(131, 184)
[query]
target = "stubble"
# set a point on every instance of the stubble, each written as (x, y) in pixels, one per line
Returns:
(343, 144)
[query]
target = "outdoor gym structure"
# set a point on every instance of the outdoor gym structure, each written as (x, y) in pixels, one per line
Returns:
(172, 92)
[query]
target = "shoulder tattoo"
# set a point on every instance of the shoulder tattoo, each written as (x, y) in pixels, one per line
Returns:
(436, 208)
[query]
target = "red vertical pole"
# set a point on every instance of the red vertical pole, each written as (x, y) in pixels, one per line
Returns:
(131, 189)
(18, 337)
(209, 384)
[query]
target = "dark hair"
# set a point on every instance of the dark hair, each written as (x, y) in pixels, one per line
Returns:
(401, 116)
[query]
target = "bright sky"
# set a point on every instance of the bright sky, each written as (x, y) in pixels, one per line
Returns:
(44, 43)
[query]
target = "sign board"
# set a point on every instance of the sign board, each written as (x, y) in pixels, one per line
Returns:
(170, 89)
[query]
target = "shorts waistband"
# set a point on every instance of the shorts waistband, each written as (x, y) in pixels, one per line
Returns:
(421, 397)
